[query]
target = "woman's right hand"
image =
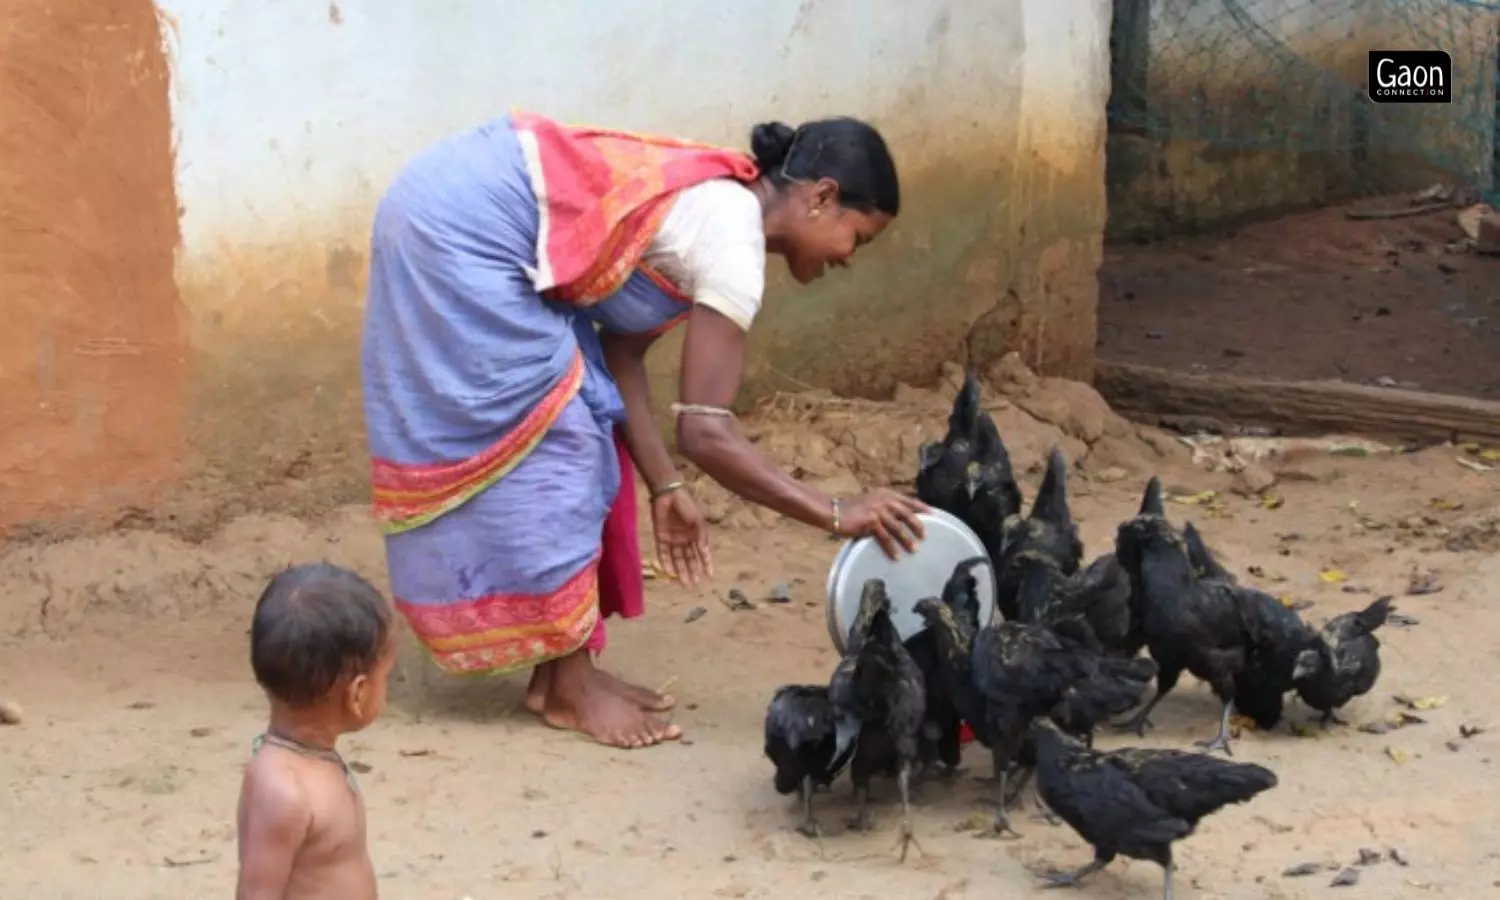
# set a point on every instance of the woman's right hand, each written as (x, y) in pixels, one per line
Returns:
(885, 515)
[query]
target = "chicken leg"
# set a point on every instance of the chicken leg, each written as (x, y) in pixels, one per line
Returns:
(1221, 740)
(1166, 680)
(908, 838)
(1001, 757)
(809, 826)
(1072, 879)
(862, 820)
(1166, 888)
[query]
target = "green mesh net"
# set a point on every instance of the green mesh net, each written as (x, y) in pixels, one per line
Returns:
(1228, 108)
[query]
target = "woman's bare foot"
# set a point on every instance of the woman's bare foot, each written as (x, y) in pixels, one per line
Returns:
(538, 688)
(645, 698)
(581, 699)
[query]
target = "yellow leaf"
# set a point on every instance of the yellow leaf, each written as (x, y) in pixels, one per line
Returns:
(1443, 503)
(1303, 730)
(1286, 600)
(1400, 756)
(1469, 448)
(1202, 498)
(1332, 576)
(1490, 455)
(1437, 701)
(1271, 501)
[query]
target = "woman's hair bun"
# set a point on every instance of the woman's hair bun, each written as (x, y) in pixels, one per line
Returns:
(769, 143)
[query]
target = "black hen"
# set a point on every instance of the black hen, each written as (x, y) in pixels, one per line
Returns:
(880, 686)
(938, 742)
(968, 473)
(1098, 594)
(1234, 638)
(1205, 566)
(1048, 530)
(1133, 802)
(1023, 671)
(807, 743)
(1345, 662)
(1116, 683)
(1276, 637)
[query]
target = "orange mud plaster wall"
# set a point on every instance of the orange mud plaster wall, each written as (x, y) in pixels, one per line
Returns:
(92, 359)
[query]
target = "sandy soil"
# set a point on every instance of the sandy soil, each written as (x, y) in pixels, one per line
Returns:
(1315, 296)
(128, 653)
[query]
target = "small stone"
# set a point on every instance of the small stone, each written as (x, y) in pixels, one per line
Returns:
(1368, 857)
(1252, 481)
(1302, 870)
(362, 768)
(1111, 475)
(1488, 240)
(11, 712)
(780, 593)
(201, 731)
(695, 614)
(1347, 878)
(737, 601)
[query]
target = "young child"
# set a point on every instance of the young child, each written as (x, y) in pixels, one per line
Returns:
(322, 647)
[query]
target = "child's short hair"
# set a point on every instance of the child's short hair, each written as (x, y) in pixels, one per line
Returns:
(314, 624)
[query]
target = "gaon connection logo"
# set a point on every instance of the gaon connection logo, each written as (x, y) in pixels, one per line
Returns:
(1411, 76)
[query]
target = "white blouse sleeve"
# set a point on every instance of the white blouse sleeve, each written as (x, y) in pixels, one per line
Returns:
(713, 245)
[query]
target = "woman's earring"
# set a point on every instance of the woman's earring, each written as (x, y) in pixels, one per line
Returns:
(812, 214)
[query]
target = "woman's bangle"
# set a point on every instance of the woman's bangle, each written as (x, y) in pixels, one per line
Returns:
(838, 519)
(669, 487)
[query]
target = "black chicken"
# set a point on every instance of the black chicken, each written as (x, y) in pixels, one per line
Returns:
(1099, 594)
(1242, 642)
(968, 473)
(1204, 564)
(1345, 663)
(938, 742)
(1135, 802)
(879, 685)
(1048, 530)
(1277, 636)
(808, 744)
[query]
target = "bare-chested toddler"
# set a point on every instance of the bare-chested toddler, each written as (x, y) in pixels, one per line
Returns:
(322, 646)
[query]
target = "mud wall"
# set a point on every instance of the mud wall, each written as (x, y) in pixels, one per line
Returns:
(93, 359)
(1238, 109)
(994, 111)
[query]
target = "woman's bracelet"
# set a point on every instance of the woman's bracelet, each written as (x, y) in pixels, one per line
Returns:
(669, 487)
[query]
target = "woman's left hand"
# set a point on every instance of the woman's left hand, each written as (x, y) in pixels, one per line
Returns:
(681, 537)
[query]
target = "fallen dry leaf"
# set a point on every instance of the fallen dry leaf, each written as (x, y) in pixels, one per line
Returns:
(1332, 576)
(1202, 498)
(1400, 757)
(1271, 501)
(1472, 465)
(1436, 701)
(1445, 504)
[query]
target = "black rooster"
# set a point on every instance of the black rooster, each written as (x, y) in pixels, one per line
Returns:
(968, 473)
(1242, 642)
(879, 685)
(1048, 530)
(807, 743)
(1345, 663)
(1134, 802)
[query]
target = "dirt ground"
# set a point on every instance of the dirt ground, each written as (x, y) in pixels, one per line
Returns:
(1315, 296)
(128, 654)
